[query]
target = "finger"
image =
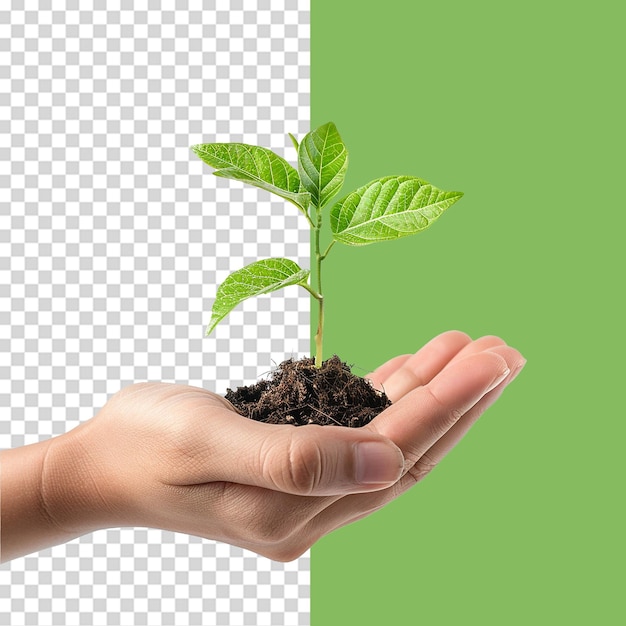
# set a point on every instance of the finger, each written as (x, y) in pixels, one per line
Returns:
(316, 517)
(303, 460)
(488, 342)
(380, 374)
(400, 376)
(285, 536)
(438, 451)
(424, 415)
(356, 506)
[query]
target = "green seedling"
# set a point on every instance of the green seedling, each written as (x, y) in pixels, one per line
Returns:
(384, 209)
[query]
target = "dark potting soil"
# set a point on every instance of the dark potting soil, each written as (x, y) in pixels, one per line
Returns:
(299, 393)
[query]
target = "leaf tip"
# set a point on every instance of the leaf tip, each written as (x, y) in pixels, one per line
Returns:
(211, 326)
(198, 150)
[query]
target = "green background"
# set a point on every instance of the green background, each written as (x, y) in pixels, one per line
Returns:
(520, 106)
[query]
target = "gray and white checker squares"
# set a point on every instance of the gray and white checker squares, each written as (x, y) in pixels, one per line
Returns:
(113, 237)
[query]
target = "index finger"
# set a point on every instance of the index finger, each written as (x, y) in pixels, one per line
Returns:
(403, 373)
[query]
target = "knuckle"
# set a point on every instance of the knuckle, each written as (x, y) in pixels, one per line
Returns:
(446, 416)
(410, 376)
(303, 470)
(434, 398)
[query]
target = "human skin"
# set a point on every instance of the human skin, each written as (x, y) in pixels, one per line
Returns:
(180, 458)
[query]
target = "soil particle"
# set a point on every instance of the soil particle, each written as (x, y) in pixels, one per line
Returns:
(299, 393)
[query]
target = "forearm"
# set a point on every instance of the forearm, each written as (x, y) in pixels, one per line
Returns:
(26, 525)
(45, 496)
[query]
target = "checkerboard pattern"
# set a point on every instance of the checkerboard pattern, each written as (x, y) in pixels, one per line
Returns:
(113, 238)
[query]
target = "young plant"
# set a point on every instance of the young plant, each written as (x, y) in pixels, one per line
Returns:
(383, 209)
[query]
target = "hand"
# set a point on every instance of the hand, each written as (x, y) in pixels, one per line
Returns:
(179, 458)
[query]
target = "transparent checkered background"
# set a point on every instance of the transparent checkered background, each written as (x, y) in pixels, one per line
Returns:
(113, 238)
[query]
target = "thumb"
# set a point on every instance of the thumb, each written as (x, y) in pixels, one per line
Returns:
(307, 460)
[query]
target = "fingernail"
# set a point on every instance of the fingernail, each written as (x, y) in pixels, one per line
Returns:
(517, 370)
(377, 463)
(498, 379)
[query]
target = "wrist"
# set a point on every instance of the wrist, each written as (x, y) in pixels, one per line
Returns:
(74, 486)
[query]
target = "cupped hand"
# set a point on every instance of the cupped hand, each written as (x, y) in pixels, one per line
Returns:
(180, 458)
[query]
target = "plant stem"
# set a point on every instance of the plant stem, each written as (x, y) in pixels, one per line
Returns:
(317, 293)
(320, 326)
(319, 336)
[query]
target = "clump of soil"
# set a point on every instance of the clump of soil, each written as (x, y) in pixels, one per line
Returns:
(299, 393)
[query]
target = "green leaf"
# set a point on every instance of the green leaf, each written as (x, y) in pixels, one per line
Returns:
(388, 208)
(257, 166)
(253, 280)
(322, 163)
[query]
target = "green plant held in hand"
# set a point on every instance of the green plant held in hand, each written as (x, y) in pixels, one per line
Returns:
(383, 209)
